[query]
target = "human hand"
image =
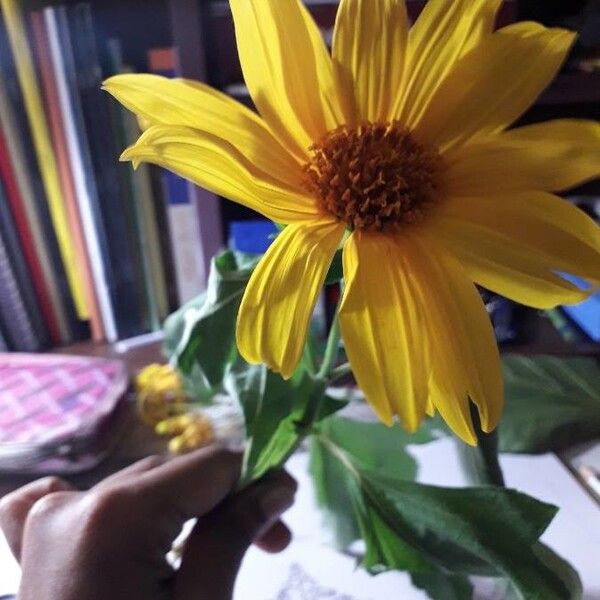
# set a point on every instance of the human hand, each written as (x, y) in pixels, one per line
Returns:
(110, 542)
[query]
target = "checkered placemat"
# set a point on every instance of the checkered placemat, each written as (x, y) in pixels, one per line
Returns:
(48, 398)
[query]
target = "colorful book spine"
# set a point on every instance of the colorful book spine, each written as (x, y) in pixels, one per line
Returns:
(9, 233)
(61, 51)
(35, 111)
(26, 249)
(56, 121)
(29, 197)
(184, 224)
(17, 324)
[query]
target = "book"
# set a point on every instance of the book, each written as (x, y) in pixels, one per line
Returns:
(148, 232)
(164, 237)
(14, 317)
(13, 225)
(119, 116)
(34, 106)
(79, 152)
(50, 81)
(97, 120)
(36, 239)
(14, 247)
(184, 224)
(21, 272)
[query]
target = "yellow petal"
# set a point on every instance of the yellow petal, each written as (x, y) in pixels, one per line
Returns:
(287, 69)
(280, 297)
(179, 102)
(216, 165)
(494, 84)
(465, 362)
(515, 244)
(552, 157)
(444, 32)
(369, 42)
(382, 328)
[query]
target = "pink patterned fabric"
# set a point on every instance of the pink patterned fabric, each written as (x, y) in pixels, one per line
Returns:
(48, 398)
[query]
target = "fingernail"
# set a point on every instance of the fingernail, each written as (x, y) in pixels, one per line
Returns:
(276, 501)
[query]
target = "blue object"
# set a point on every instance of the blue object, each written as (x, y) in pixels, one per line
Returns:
(253, 237)
(586, 315)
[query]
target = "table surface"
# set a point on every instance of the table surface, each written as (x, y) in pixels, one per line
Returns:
(139, 441)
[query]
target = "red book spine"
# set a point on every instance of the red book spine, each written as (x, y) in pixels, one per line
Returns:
(25, 236)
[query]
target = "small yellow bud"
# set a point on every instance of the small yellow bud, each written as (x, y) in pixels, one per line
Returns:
(197, 434)
(174, 425)
(160, 393)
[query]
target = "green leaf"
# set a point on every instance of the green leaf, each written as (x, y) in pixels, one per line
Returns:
(561, 568)
(500, 527)
(336, 270)
(551, 403)
(375, 443)
(174, 325)
(429, 530)
(200, 337)
(266, 402)
(442, 586)
(277, 412)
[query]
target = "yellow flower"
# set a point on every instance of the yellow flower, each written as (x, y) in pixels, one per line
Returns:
(400, 137)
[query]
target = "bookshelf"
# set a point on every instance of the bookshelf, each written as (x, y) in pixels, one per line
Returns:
(153, 252)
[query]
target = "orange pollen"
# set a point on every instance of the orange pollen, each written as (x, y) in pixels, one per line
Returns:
(374, 177)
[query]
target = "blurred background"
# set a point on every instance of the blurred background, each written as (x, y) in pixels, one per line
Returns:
(90, 249)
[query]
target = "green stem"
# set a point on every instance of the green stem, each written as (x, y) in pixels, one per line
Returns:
(480, 463)
(339, 372)
(331, 350)
(308, 355)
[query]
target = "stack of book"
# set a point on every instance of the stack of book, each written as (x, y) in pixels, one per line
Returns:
(88, 247)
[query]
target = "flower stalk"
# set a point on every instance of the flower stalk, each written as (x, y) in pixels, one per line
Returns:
(331, 349)
(480, 463)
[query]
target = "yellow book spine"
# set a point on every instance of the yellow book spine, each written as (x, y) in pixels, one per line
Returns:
(43, 147)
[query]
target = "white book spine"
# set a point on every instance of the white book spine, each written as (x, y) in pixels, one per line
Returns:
(187, 250)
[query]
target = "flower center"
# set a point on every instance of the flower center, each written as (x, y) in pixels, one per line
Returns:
(374, 177)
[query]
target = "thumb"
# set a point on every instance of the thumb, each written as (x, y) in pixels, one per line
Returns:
(216, 547)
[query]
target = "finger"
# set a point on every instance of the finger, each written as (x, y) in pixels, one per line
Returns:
(193, 484)
(15, 507)
(133, 470)
(276, 539)
(214, 551)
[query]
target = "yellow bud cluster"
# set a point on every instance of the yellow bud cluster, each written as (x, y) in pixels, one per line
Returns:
(160, 394)
(191, 430)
